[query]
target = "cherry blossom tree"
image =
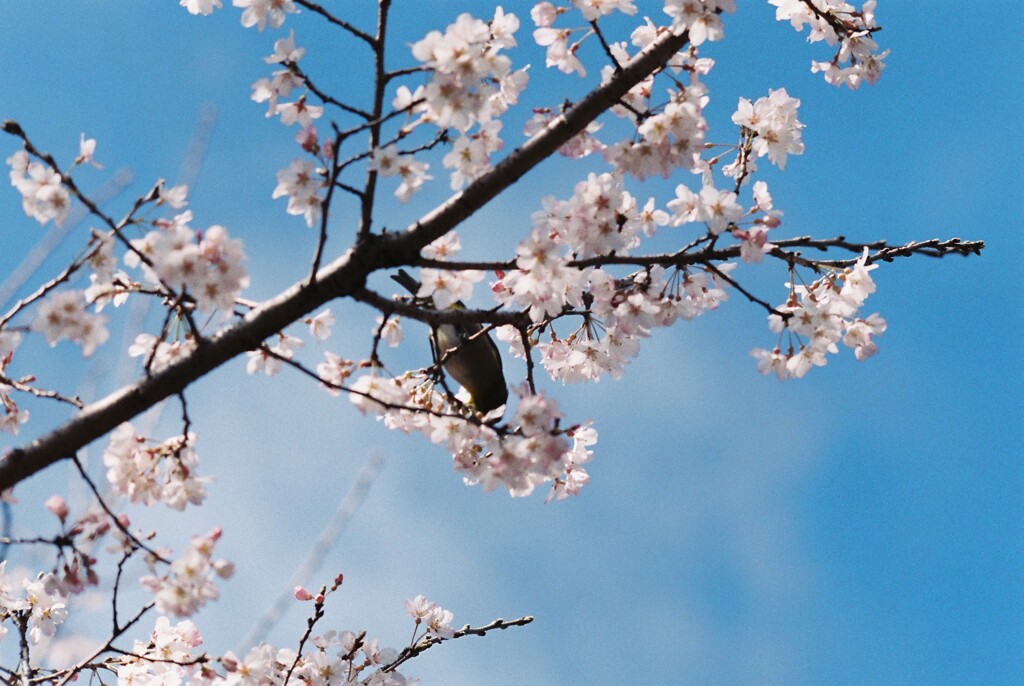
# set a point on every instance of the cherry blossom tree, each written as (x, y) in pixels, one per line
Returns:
(573, 302)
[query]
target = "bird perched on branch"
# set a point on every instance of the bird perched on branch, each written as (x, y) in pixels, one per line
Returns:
(467, 355)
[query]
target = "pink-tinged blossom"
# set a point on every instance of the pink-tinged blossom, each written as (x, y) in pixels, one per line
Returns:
(273, 90)
(686, 207)
(57, 506)
(580, 145)
(503, 28)
(285, 51)
(86, 151)
(544, 14)
(559, 53)
(774, 121)
(699, 17)
(150, 473)
(9, 342)
(43, 196)
(754, 244)
(299, 112)
(208, 265)
(165, 353)
(267, 359)
(470, 155)
(373, 393)
(165, 658)
(466, 61)
(594, 9)
(390, 331)
(334, 370)
(63, 315)
(189, 583)
(443, 248)
(175, 197)
(259, 13)
(857, 58)
(387, 162)
(447, 287)
(12, 418)
(301, 182)
(320, 325)
(820, 315)
(45, 604)
(718, 209)
(203, 7)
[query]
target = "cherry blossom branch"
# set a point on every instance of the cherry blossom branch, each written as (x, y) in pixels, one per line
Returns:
(43, 290)
(428, 642)
(294, 364)
(933, 247)
(23, 386)
(324, 97)
(380, 83)
(343, 277)
(318, 613)
(438, 317)
(14, 129)
(113, 517)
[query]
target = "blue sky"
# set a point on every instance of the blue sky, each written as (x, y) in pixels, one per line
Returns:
(862, 525)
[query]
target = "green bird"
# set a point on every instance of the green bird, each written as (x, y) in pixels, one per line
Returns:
(473, 362)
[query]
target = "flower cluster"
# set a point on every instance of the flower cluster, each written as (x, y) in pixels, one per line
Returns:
(43, 195)
(163, 473)
(857, 59)
(776, 130)
(169, 656)
(472, 81)
(435, 619)
(207, 265)
(166, 658)
(42, 606)
(472, 84)
(413, 172)
(267, 359)
(821, 315)
(699, 17)
(64, 315)
(336, 657)
(534, 451)
(301, 183)
(279, 87)
(188, 584)
(672, 137)
(159, 354)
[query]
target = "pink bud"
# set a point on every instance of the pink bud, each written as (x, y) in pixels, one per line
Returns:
(57, 506)
(302, 594)
(319, 598)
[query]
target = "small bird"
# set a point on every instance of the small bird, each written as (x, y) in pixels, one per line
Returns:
(473, 362)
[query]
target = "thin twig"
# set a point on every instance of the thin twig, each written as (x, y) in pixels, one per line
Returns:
(362, 35)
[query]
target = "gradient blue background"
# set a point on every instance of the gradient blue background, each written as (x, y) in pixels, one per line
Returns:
(862, 525)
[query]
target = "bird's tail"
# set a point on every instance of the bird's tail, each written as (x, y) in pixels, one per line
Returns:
(406, 280)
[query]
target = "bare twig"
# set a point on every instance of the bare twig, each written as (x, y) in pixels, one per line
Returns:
(429, 641)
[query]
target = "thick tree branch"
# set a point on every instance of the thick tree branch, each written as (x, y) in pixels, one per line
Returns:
(341, 278)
